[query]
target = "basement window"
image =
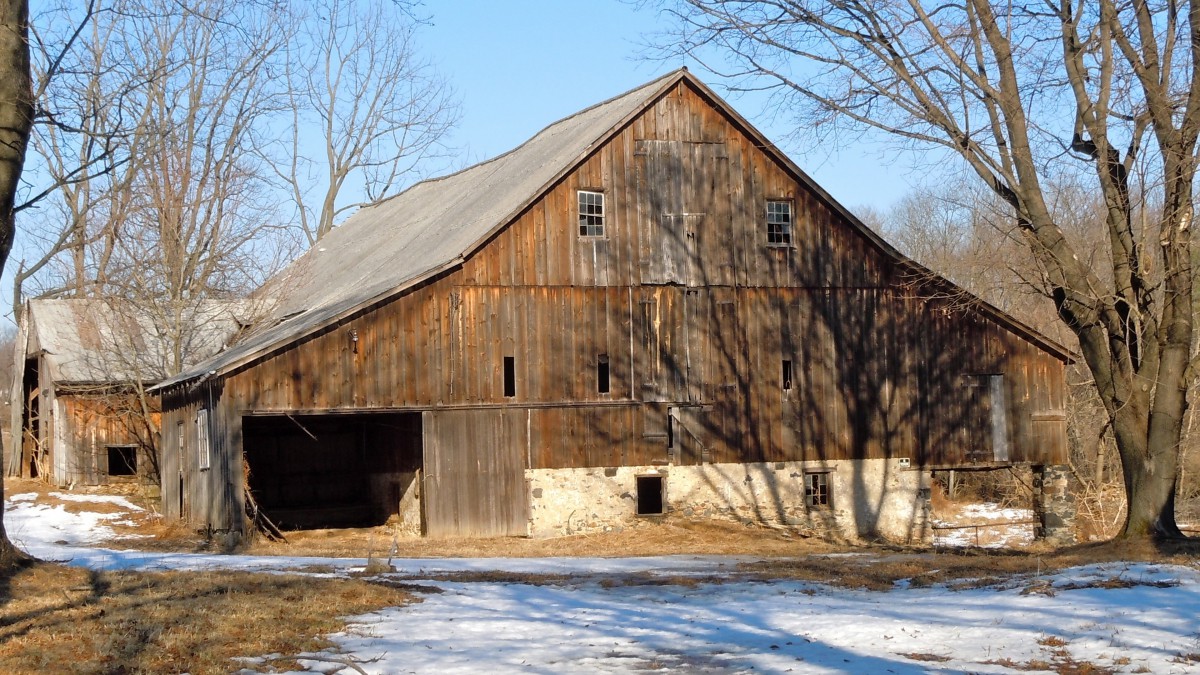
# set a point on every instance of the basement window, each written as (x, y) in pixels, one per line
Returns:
(510, 376)
(122, 460)
(787, 374)
(650, 499)
(602, 379)
(591, 213)
(816, 489)
(779, 223)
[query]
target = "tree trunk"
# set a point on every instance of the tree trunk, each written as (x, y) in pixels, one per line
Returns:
(1149, 458)
(16, 121)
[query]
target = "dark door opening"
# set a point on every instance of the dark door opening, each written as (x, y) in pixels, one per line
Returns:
(650, 499)
(335, 470)
(31, 433)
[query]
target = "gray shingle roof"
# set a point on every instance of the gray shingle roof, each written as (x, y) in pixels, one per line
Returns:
(394, 244)
(94, 341)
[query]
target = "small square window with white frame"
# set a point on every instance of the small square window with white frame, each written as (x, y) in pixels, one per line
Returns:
(779, 222)
(591, 213)
(816, 490)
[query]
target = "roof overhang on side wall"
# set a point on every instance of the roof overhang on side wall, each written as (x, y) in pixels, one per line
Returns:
(238, 358)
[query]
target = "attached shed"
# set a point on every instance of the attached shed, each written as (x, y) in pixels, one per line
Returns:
(81, 370)
(644, 309)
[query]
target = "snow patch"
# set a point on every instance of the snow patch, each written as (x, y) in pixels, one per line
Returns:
(97, 499)
(591, 625)
(985, 525)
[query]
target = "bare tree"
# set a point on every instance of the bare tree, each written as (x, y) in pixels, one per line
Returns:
(175, 219)
(188, 227)
(378, 109)
(16, 121)
(1104, 92)
(83, 148)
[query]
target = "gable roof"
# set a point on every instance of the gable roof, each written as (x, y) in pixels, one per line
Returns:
(393, 245)
(90, 341)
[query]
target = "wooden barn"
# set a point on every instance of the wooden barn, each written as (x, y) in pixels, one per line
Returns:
(644, 309)
(81, 370)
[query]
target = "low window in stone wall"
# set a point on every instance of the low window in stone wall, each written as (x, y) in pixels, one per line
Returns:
(650, 501)
(816, 489)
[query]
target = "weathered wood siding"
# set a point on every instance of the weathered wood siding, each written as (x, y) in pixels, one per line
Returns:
(212, 495)
(91, 423)
(475, 464)
(694, 314)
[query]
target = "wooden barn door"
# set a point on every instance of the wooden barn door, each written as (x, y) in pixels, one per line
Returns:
(685, 230)
(986, 419)
(474, 480)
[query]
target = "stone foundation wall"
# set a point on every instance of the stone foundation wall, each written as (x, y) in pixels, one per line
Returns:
(868, 498)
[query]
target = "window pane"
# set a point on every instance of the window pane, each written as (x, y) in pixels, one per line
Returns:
(591, 214)
(779, 223)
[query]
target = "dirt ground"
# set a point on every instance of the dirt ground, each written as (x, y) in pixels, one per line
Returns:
(781, 553)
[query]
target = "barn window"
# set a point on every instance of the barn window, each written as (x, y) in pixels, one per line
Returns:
(779, 223)
(602, 381)
(650, 500)
(816, 489)
(510, 376)
(122, 460)
(203, 451)
(591, 213)
(787, 374)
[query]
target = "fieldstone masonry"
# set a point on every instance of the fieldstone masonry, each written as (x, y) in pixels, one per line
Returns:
(1054, 504)
(868, 498)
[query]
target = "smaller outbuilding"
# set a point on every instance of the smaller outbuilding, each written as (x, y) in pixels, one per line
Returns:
(82, 366)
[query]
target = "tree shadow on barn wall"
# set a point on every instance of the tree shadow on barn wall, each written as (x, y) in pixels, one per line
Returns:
(859, 368)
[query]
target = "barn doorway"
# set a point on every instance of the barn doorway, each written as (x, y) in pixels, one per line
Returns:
(336, 470)
(31, 438)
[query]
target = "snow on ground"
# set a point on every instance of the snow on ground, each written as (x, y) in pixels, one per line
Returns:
(97, 499)
(37, 526)
(782, 626)
(1129, 617)
(985, 525)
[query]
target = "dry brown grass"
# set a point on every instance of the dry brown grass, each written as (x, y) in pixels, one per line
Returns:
(69, 620)
(880, 569)
(926, 657)
(669, 536)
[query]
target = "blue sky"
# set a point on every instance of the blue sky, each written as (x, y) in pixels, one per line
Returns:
(519, 65)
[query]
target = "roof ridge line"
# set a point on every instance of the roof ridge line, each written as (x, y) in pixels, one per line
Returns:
(437, 179)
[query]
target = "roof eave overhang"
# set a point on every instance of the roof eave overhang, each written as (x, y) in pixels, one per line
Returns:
(202, 372)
